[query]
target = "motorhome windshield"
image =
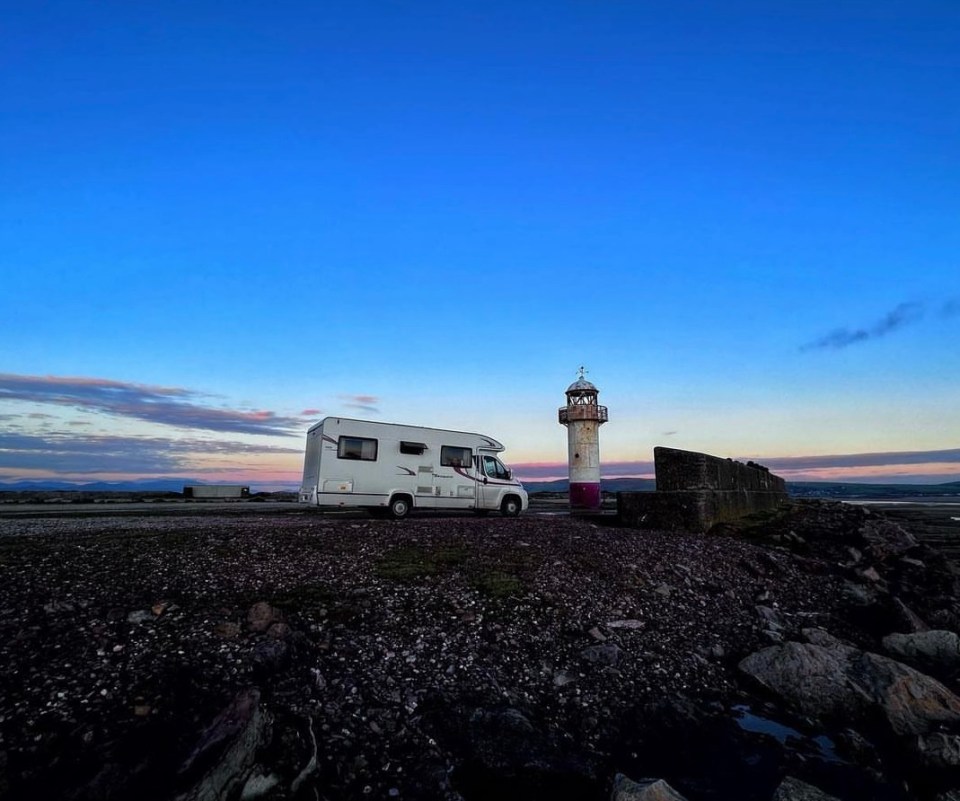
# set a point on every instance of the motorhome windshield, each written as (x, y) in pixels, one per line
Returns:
(493, 468)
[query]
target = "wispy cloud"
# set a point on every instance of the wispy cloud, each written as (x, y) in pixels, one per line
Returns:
(950, 308)
(172, 406)
(311, 412)
(63, 453)
(363, 403)
(903, 315)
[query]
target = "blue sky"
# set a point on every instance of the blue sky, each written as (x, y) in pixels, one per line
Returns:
(221, 223)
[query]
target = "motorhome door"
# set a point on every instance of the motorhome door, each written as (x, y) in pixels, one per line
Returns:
(493, 475)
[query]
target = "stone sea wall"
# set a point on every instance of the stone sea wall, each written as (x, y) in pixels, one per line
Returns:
(695, 491)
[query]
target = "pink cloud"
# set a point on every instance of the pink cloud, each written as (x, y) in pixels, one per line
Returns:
(364, 403)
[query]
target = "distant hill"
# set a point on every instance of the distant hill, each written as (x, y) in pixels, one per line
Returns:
(798, 489)
(139, 485)
(841, 490)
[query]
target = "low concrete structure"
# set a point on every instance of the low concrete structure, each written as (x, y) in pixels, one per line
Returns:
(696, 491)
(215, 491)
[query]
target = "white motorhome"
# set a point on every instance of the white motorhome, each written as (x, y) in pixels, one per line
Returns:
(391, 468)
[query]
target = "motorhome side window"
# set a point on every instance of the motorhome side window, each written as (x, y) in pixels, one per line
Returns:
(452, 456)
(357, 448)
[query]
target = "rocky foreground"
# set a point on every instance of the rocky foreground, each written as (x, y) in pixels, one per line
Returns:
(286, 655)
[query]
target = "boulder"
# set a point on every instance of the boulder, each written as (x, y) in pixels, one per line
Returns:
(906, 619)
(813, 678)
(886, 539)
(912, 702)
(625, 789)
(936, 650)
(823, 638)
(842, 682)
(791, 789)
(937, 750)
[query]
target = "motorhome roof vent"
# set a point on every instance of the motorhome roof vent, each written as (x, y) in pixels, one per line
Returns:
(415, 448)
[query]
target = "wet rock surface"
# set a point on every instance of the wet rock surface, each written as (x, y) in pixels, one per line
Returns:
(292, 655)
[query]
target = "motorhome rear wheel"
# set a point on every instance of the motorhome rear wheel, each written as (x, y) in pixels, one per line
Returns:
(399, 507)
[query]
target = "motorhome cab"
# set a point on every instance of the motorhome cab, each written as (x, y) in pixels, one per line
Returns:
(391, 468)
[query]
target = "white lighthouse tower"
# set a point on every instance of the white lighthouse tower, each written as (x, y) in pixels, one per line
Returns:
(583, 417)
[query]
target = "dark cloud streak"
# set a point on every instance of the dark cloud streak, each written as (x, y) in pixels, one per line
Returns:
(170, 406)
(903, 315)
(879, 459)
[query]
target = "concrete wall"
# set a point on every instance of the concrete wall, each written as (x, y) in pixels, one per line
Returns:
(687, 470)
(695, 491)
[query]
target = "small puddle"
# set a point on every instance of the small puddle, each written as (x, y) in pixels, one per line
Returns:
(748, 721)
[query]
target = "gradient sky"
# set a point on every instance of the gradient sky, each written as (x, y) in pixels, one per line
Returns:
(222, 222)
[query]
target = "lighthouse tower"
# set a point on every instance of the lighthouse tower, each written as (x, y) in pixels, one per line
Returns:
(583, 418)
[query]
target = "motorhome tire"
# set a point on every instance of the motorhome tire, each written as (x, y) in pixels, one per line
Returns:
(399, 507)
(510, 506)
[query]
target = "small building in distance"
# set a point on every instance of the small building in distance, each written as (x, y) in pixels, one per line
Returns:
(216, 491)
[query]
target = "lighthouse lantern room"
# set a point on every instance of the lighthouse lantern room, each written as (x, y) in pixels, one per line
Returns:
(583, 417)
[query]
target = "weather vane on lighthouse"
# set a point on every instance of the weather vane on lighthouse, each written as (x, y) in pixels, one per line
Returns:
(583, 417)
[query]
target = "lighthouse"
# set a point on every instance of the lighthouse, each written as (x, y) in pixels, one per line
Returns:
(583, 417)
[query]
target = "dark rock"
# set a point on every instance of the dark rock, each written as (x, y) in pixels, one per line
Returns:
(934, 650)
(625, 789)
(912, 702)
(906, 620)
(222, 759)
(842, 683)
(606, 654)
(823, 638)
(271, 656)
(937, 750)
(811, 677)
(886, 539)
(261, 616)
(792, 789)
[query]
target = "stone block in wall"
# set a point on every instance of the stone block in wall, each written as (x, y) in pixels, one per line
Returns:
(691, 510)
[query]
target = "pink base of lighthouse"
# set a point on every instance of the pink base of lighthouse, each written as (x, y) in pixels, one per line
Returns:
(585, 495)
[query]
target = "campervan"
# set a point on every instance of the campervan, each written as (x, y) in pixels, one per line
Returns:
(392, 469)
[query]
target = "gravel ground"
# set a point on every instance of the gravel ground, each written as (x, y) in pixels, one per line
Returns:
(374, 644)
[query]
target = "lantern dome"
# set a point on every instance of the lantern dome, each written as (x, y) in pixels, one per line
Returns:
(581, 386)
